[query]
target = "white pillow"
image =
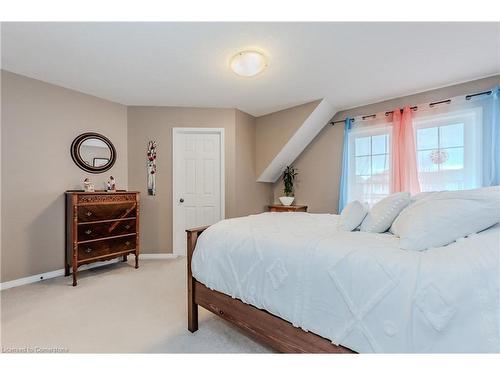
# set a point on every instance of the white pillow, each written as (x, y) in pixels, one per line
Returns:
(415, 198)
(420, 196)
(352, 215)
(381, 216)
(446, 216)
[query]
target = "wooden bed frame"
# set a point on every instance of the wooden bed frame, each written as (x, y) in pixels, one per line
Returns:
(263, 326)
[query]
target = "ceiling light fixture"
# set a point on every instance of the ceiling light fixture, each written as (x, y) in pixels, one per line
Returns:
(248, 63)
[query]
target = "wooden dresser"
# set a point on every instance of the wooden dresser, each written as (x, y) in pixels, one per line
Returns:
(281, 208)
(100, 226)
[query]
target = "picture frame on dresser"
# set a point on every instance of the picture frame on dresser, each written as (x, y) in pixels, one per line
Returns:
(100, 226)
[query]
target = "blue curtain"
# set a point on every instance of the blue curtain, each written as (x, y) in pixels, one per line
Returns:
(345, 165)
(495, 144)
(491, 136)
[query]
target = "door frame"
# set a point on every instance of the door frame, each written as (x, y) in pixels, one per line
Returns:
(181, 130)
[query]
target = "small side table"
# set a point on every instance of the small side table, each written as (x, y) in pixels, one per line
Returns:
(292, 208)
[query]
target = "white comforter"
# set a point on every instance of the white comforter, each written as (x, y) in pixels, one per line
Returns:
(358, 289)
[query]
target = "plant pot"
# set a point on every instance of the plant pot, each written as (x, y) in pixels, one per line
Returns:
(286, 201)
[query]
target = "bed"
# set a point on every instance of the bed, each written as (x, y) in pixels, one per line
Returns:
(299, 284)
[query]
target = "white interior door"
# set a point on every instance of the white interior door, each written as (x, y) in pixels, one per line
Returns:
(198, 181)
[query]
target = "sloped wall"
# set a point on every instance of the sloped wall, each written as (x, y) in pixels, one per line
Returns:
(274, 130)
(302, 137)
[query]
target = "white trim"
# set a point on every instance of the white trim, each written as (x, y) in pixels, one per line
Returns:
(471, 116)
(376, 128)
(220, 131)
(60, 272)
(31, 279)
(50, 275)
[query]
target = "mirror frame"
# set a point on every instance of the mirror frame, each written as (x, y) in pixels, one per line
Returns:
(75, 152)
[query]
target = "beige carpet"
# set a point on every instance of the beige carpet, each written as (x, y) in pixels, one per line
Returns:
(116, 308)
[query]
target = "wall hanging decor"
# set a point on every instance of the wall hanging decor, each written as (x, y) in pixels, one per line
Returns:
(93, 152)
(152, 168)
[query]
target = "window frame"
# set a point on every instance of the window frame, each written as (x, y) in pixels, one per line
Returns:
(360, 132)
(471, 118)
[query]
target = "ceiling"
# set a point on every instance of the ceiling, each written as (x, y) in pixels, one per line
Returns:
(186, 64)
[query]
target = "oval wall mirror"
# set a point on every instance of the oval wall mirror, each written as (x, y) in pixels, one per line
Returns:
(93, 152)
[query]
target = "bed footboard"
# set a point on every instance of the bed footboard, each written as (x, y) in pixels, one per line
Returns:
(263, 326)
(192, 237)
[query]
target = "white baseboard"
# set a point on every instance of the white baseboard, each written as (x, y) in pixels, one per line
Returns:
(158, 256)
(60, 272)
(31, 279)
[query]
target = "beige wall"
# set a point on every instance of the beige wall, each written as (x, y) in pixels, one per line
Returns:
(319, 168)
(251, 196)
(1, 132)
(39, 122)
(156, 123)
(1, 209)
(320, 164)
(275, 129)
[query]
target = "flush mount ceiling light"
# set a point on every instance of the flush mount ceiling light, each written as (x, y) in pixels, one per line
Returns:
(248, 63)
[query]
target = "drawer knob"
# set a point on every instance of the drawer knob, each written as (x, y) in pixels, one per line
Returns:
(88, 213)
(88, 231)
(127, 226)
(88, 250)
(127, 243)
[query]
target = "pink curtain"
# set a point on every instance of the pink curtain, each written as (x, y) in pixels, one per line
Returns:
(404, 160)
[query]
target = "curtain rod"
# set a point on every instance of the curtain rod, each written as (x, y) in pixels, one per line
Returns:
(414, 108)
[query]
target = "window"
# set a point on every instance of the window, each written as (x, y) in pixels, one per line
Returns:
(448, 152)
(369, 163)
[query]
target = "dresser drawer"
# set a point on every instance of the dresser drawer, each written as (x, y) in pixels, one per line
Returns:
(98, 230)
(100, 226)
(104, 247)
(106, 198)
(92, 212)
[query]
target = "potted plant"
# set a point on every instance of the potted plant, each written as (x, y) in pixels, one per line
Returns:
(288, 178)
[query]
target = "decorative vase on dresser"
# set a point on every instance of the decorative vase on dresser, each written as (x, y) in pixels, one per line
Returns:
(100, 226)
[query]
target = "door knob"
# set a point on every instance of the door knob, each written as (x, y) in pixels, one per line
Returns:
(181, 200)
